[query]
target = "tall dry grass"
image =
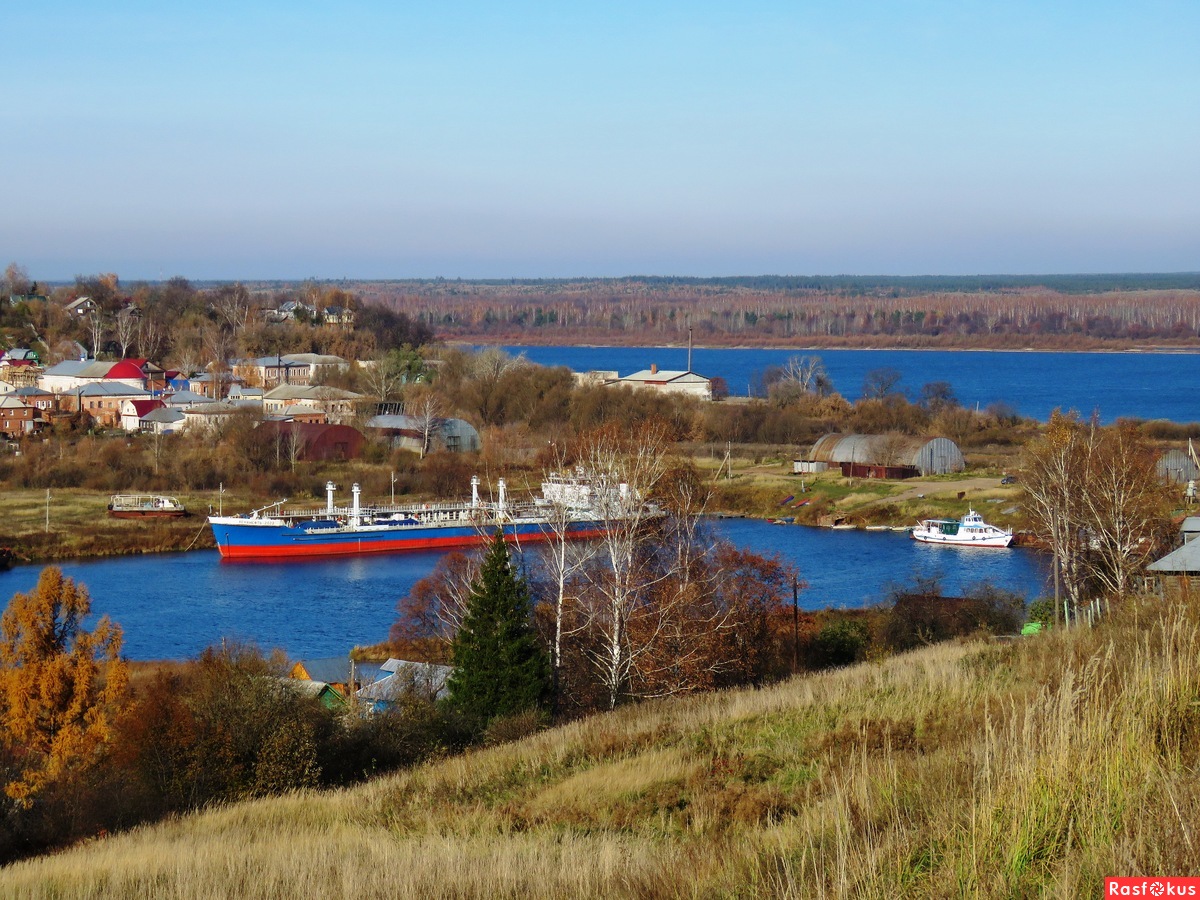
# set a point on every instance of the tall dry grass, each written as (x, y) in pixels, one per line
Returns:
(984, 769)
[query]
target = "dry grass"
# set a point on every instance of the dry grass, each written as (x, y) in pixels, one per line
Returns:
(986, 769)
(80, 526)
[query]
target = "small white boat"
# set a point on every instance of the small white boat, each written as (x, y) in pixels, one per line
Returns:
(971, 531)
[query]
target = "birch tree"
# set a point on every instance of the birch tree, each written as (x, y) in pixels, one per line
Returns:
(1052, 476)
(425, 406)
(1125, 505)
(626, 466)
(125, 329)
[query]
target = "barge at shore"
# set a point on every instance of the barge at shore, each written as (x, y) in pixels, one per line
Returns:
(567, 503)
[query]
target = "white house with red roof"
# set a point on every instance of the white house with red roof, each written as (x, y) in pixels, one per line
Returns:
(72, 374)
(132, 412)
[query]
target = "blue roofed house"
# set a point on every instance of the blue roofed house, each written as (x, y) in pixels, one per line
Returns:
(400, 678)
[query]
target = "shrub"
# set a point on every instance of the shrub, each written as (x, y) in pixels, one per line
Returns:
(841, 643)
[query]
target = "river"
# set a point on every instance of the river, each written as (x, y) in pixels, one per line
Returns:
(172, 606)
(1140, 385)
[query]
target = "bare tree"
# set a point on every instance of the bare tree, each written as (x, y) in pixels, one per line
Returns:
(96, 332)
(1125, 505)
(232, 304)
(488, 367)
(293, 444)
(626, 466)
(1053, 472)
(881, 383)
(152, 338)
(16, 279)
(425, 406)
(126, 328)
(564, 559)
(808, 374)
(218, 344)
(382, 377)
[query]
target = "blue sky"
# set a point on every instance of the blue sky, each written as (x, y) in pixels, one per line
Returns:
(373, 140)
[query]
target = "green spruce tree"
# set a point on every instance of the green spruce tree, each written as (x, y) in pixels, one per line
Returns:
(500, 667)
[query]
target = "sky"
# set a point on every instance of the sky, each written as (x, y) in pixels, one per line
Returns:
(494, 140)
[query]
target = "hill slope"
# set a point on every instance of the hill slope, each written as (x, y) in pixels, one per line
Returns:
(993, 769)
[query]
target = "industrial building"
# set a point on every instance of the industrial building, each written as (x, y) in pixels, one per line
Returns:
(883, 455)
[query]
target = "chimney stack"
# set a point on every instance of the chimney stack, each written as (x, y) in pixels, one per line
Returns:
(653, 368)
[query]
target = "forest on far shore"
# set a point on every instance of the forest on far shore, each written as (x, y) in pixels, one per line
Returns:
(1000, 312)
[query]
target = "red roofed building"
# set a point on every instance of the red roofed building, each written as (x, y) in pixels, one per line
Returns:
(133, 410)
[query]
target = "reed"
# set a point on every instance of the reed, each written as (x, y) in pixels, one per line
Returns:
(1029, 768)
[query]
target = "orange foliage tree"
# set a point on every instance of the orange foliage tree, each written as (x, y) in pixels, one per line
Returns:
(59, 682)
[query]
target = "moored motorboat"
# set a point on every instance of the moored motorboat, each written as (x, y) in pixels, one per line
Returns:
(145, 506)
(970, 531)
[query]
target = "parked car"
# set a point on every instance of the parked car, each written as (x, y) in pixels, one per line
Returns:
(1009, 479)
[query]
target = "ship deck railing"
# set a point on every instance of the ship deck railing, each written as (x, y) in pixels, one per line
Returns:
(417, 510)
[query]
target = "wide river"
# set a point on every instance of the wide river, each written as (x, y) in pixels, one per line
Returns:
(1130, 384)
(172, 606)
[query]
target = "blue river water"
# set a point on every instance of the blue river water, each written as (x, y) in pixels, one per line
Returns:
(1128, 384)
(172, 606)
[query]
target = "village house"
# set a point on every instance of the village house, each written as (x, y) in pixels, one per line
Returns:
(669, 382)
(209, 417)
(102, 401)
(408, 433)
(163, 420)
(83, 306)
(18, 419)
(400, 679)
(269, 371)
(72, 374)
(132, 412)
(338, 315)
(336, 404)
(32, 395)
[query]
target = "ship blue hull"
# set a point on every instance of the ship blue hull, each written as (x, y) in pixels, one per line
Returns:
(236, 540)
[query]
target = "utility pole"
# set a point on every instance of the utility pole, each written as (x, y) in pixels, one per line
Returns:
(221, 499)
(393, 487)
(47, 510)
(795, 625)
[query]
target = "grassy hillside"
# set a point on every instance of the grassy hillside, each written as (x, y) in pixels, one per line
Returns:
(981, 769)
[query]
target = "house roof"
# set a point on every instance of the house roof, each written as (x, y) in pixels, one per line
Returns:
(309, 392)
(404, 676)
(186, 398)
(30, 390)
(165, 415)
(142, 407)
(126, 368)
(69, 367)
(330, 669)
(314, 359)
(271, 362)
(109, 389)
(1184, 561)
(8, 401)
(662, 376)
